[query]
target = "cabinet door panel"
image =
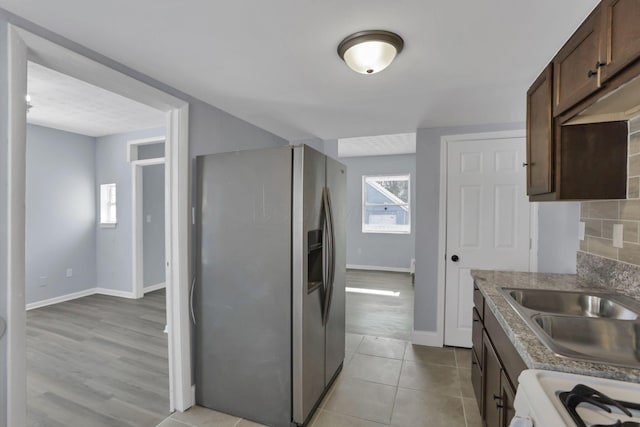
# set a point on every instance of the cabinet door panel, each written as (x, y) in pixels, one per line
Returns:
(575, 65)
(508, 395)
(491, 384)
(540, 134)
(476, 381)
(620, 35)
(476, 335)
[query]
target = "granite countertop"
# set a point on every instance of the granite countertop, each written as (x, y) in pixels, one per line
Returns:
(531, 349)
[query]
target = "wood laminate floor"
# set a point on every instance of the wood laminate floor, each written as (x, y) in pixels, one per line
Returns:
(380, 315)
(101, 361)
(98, 361)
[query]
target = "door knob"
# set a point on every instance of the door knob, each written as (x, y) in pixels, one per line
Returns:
(455, 258)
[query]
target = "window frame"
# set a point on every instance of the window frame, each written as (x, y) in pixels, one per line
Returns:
(366, 228)
(106, 205)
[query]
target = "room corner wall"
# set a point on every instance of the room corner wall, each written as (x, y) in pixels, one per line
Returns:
(60, 213)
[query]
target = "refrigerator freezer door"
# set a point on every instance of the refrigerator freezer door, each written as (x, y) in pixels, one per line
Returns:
(308, 329)
(335, 324)
(242, 300)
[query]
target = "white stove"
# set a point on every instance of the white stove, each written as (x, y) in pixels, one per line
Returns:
(540, 396)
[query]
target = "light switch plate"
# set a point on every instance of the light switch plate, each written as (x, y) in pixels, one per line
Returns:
(617, 235)
(581, 230)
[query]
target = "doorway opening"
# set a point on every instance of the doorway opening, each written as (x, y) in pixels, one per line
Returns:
(380, 235)
(26, 46)
(96, 349)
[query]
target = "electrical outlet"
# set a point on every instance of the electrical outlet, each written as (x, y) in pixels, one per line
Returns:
(581, 228)
(69, 272)
(42, 281)
(618, 232)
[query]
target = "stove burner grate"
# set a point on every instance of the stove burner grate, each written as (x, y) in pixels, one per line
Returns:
(585, 394)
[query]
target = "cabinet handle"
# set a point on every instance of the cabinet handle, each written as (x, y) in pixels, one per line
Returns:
(592, 73)
(524, 165)
(496, 397)
(499, 406)
(600, 64)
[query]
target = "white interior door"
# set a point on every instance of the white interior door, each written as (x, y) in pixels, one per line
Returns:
(487, 222)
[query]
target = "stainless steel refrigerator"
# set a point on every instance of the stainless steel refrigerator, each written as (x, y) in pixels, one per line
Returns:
(269, 298)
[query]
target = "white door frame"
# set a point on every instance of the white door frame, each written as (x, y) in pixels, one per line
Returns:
(438, 339)
(24, 44)
(137, 221)
(137, 281)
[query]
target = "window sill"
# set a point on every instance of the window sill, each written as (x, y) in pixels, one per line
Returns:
(384, 232)
(108, 225)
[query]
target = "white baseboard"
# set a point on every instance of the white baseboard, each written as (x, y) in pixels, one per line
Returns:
(428, 338)
(378, 268)
(115, 293)
(80, 294)
(63, 298)
(154, 287)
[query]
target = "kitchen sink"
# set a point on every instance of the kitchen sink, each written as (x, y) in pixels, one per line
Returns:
(573, 303)
(589, 325)
(607, 340)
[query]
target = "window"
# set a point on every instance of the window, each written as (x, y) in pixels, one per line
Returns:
(108, 204)
(385, 204)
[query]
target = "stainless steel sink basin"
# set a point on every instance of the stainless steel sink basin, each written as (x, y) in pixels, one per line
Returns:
(613, 341)
(590, 325)
(573, 303)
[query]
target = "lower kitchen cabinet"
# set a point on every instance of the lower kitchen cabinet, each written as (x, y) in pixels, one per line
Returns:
(495, 367)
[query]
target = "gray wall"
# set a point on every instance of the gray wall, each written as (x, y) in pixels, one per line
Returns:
(153, 225)
(374, 249)
(558, 224)
(60, 213)
(114, 246)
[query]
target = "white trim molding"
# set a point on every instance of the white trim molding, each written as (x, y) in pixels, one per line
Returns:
(15, 279)
(378, 268)
(132, 146)
(137, 220)
(62, 298)
(427, 338)
(155, 287)
(85, 293)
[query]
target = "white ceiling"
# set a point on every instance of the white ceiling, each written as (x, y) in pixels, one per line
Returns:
(382, 145)
(66, 103)
(274, 63)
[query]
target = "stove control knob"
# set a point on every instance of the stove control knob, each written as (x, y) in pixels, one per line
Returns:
(520, 421)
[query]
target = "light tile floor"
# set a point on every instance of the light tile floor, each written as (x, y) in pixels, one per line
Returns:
(385, 382)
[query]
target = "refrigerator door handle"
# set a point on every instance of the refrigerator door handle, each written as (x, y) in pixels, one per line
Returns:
(326, 199)
(193, 313)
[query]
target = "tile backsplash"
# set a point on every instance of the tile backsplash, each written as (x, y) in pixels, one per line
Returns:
(599, 218)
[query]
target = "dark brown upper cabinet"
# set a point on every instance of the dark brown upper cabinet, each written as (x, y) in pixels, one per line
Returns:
(576, 66)
(540, 134)
(619, 36)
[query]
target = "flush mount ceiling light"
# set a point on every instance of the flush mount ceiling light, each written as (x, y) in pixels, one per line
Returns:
(368, 52)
